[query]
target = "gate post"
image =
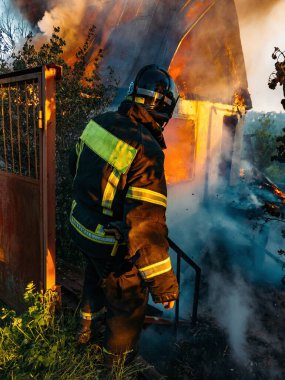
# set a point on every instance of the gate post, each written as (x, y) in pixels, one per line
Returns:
(48, 184)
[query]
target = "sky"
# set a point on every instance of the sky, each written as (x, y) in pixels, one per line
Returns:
(261, 30)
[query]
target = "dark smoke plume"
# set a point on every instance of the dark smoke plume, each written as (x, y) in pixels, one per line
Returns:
(33, 10)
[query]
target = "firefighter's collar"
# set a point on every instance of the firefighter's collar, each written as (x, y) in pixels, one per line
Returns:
(138, 114)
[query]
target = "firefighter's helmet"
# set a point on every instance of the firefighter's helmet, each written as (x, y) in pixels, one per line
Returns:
(155, 90)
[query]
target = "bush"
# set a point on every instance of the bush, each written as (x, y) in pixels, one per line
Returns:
(39, 344)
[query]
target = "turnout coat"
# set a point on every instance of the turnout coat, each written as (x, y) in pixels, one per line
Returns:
(118, 169)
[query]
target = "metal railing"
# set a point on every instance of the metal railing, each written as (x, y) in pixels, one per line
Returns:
(156, 314)
(182, 256)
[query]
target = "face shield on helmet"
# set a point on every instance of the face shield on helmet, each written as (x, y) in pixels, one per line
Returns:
(155, 90)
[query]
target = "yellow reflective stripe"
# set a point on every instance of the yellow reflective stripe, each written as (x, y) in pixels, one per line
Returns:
(79, 149)
(91, 235)
(106, 211)
(155, 269)
(110, 148)
(147, 195)
(110, 192)
(100, 230)
(138, 99)
(73, 205)
(87, 316)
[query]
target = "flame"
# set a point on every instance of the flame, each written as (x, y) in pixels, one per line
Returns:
(180, 153)
(194, 141)
(279, 193)
(105, 15)
(239, 103)
(275, 190)
(242, 172)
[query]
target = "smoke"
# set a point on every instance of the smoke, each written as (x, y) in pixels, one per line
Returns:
(233, 306)
(262, 28)
(254, 9)
(33, 10)
(76, 17)
(227, 236)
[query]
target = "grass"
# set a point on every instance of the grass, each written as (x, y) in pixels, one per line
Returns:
(40, 344)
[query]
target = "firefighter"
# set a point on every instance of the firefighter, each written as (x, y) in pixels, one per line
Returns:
(117, 216)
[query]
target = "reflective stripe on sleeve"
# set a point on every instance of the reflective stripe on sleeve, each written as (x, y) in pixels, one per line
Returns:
(147, 195)
(155, 269)
(110, 192)
(87, 316)
(110, 148)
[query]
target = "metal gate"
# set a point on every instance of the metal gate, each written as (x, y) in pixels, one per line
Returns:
(27, 181)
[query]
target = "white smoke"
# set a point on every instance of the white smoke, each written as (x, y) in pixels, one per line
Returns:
(232, 305)
(261, 29)
(225, 237)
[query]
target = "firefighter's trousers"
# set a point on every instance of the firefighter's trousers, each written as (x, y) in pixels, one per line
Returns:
(123, 294)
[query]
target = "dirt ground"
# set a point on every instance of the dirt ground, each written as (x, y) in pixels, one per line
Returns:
(202, 352)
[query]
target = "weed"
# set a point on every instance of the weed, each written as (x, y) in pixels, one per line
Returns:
(39, 343)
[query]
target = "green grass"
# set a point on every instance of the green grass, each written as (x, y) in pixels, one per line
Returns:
(40, 344)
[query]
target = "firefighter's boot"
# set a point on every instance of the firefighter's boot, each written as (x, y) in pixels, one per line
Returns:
(91, 326)
(84, 332)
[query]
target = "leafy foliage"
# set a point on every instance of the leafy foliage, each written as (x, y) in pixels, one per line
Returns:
(39, 345)
(81, 93)
(280, 156)
(264, 142)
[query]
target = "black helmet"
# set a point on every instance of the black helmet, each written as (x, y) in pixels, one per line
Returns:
(155, 90)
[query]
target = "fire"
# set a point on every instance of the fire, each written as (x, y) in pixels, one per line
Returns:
(239, 103)
(275, 190)
(195, 138)
(242, 172)
(279, 193)
(180, 153)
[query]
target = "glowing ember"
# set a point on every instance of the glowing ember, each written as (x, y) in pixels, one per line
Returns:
(279, 193)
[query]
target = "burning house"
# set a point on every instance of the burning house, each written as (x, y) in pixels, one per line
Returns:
(199, 42)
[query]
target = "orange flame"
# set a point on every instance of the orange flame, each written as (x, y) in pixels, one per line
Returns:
(279, 193)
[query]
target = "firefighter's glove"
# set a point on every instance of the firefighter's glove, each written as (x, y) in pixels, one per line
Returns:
(110, 230)
(168, 305)
(164, 288)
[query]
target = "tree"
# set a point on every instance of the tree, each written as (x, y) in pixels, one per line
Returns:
(13, 28)
(278, 77)
(280, 148)
(80, 94)
(264, 142)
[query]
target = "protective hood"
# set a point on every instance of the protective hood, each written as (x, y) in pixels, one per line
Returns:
(138, 114)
